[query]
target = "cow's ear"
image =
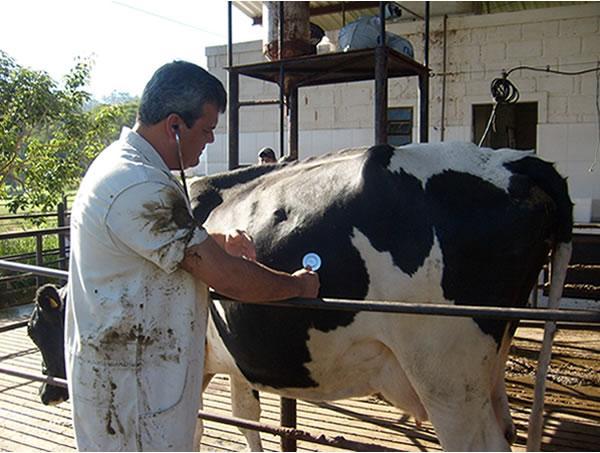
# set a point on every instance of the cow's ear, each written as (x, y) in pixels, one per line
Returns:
(47, 298)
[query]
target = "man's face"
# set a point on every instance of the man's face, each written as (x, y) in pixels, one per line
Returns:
(194, 140)
(266, 160)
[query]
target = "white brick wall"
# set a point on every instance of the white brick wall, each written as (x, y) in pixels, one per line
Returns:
(479, 49)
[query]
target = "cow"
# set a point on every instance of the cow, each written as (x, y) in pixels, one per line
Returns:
(46, 330)
(447, 223)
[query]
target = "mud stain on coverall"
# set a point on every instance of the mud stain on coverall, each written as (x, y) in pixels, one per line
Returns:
(112, 413)
(169, 215)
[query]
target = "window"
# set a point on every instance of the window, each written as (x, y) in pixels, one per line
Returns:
(515, 125)
(400, 125)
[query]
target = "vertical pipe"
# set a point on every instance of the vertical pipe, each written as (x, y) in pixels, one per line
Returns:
(288, 406)
(39, 256)
(426, 37)
(343, 14)
(443, 118)
(288, 419)
(61, 221)
(233, 115)
(293, 123)
(381, 90)
(230, 33)
(281, 82)
(424, 86)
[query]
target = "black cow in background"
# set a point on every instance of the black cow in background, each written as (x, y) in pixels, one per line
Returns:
(45, 328)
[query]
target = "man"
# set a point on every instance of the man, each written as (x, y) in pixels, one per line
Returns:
(139, 271)
(266, 156)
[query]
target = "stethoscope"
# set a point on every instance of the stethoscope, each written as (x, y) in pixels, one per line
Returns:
(311, 260)
(182, 173)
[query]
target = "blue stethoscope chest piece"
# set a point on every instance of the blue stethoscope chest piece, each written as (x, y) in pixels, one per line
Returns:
(311, 260)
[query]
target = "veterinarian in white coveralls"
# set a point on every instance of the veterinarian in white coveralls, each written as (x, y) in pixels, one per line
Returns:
(139, 271)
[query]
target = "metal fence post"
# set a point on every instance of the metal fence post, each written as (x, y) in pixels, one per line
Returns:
(62, 221)
(39, 256)
(288, 419)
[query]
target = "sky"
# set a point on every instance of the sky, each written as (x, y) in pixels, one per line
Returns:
(127, 39)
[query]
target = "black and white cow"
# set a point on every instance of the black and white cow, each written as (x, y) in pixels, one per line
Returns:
(432, 223)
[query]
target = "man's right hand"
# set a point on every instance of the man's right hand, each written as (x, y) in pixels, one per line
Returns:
(309, 283)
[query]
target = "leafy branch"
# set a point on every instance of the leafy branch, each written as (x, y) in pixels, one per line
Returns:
(48, 135)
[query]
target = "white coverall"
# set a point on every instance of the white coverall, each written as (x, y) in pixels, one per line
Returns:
(136, 322)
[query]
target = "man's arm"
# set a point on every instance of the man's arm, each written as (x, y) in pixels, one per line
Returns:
(236, 243)
(243, 279)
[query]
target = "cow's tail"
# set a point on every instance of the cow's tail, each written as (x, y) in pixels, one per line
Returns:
(548, 179)
(545, 176)
(560, 261)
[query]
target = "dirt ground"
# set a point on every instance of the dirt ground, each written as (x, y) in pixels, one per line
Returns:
(575, 362)
(572, 400)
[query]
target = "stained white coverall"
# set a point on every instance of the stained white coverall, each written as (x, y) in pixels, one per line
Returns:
(135, 322)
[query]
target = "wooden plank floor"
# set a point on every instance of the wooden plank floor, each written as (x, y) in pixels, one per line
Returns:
(573, 412)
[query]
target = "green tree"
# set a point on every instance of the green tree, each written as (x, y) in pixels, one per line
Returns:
(47, 136)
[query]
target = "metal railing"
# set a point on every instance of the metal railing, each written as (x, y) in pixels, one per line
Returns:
(573, 316)
(39, 255)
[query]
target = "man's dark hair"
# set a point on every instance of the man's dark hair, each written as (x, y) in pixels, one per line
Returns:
(183, 88)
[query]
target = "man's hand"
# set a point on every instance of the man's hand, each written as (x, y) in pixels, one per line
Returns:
(239, 243)
(309, 283)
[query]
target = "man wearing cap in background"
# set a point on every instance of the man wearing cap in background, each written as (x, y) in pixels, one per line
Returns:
(266, 156)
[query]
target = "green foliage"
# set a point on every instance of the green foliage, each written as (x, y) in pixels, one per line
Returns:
(20, 246)
(47, 136)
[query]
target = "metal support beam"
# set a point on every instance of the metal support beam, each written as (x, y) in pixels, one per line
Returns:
(423, 108)
(323, 10)
(444, 58)
(280, 45)
(233, 114)
(381, 86)
(424, 85)
(288, 420)
(292, 111)
(258, 102)
(233, 120)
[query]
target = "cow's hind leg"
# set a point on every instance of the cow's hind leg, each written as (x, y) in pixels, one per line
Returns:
(466, 423)
(502, 410)
(245, 404)
(393, 384)
(499, 396)
(453, 372)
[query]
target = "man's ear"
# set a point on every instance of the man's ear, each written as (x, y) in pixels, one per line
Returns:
(173, 125)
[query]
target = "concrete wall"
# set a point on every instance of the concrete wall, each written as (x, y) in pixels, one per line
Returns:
(478, 49)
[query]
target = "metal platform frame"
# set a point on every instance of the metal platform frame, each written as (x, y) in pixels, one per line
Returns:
(290, 74)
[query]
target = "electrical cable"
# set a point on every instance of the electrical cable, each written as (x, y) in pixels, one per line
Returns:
(503, 91)
(591, 169)
(552, 71)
